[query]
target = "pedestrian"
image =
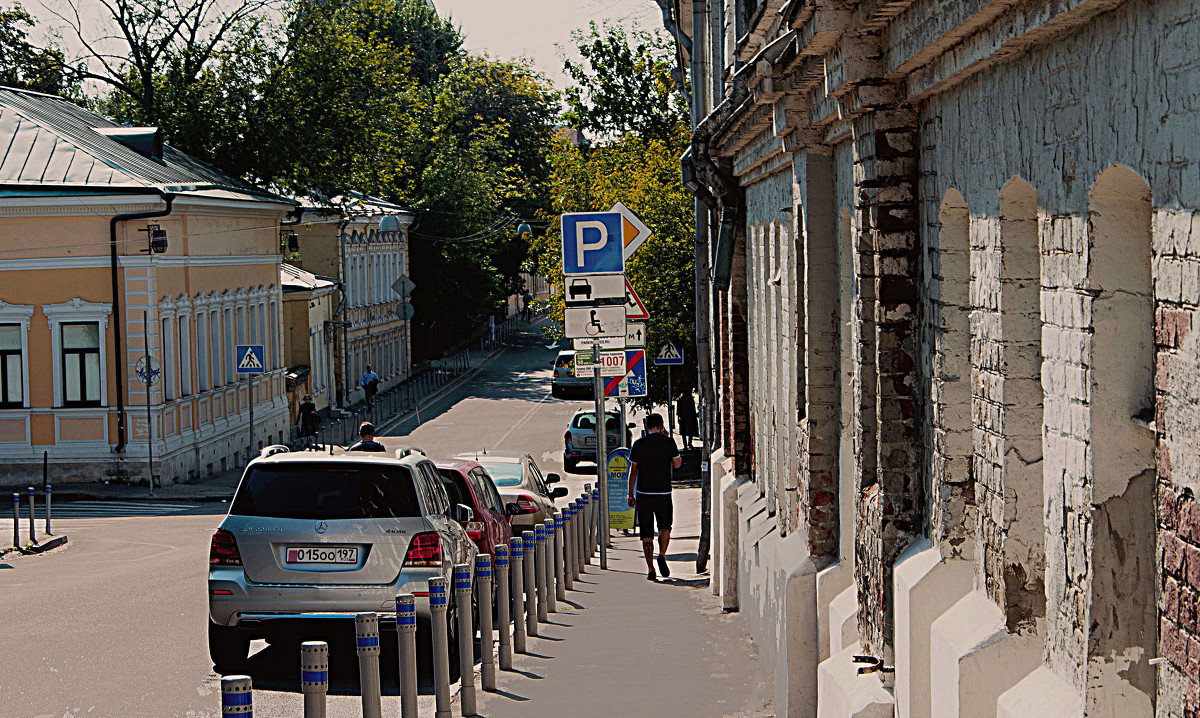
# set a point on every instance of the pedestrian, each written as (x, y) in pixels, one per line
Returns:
(307, 421)
(528, 310)
(651, 461)
(366, 439)
(689, 425)
(370, 385)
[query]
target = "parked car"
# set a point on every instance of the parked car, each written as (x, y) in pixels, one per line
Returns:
(468, 484)
(519, 481)
(313, 539)
(579, 441)
(565, 383)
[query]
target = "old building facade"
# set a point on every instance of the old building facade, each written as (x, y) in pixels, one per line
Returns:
(956, 260)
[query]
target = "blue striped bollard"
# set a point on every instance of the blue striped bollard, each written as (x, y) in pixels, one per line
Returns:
(483, 589)
(586, 500)
(16, 520)
(503, 612)
(568, 550)
(48, 492)
(516, 554)
(314, 677)
(406, 646)
(539, 568)
(366, 638)
(548, 565)
(530, 575)
(560, 554)
(438, 605)
(237, 696)
(466, 639)
(32, 515)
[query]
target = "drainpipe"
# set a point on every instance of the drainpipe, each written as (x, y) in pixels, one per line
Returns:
(118, 320)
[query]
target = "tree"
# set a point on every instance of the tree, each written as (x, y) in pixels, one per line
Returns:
(25, 66)
(624, 84)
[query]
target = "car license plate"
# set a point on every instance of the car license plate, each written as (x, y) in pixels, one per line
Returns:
(322, 554)
(589, 441)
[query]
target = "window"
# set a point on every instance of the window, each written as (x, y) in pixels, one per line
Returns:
(273, 339)
(202, 352)
(227, 354)
(185, 356)
(12, 375)
(168, 361)
(81, 364)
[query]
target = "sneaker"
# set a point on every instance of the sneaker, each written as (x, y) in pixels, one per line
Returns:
(662, 566)
(650, 575)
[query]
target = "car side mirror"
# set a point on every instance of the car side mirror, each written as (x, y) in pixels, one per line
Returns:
(552, 363)
(560, 492)
(553, 479)
(512, 508)
(463, 514)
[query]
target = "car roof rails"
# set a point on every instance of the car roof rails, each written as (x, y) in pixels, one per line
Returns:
(408, 451)
(274, 449)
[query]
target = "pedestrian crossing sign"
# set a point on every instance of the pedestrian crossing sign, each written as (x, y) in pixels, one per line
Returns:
(671, 354)
(250, 359)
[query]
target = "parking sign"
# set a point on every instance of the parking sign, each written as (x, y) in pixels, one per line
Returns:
(592, 243)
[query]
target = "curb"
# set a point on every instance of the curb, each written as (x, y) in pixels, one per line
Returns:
(33, 549)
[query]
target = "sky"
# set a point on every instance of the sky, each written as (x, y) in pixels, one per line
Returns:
(532, 28)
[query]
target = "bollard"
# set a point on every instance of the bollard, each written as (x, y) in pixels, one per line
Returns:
(366, 636)
(503, 615)
(441, 646)
(314, 677)
(48, 492)
(32, 515)
(560, 555)
(237, 696)
(576, 545)
(531, 614)
(483, 589)
(568, 556)
(551, 584)
(598, 522)
(539, 567)
(587, 525)
(516, 553)
(16, 520)
(466, 639)
(406, 644)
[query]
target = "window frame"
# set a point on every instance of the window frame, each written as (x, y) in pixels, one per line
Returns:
(17, 315)
(64, 352)
(77, 310)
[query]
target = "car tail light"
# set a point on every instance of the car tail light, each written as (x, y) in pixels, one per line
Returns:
(475, 530)
(527, 504)
(224, 551)
(221, 592)
(424, 551)
(567, 437)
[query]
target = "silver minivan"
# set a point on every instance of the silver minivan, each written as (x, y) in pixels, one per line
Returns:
(312, 539)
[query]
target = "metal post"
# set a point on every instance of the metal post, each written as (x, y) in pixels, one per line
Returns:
(45, 469)
(588, 543)
(517, 553)
(406, 643)
(441, 646)
(32, 517)
(16, 520)
(503, 614)
(531, 612)
(576, 552)
(49, 492)
(483, 583)
(601, 522)
(314, 677)
(670, 404)
(553, 562)
(366, 635)
(601, 450)
(539, 566)
(237, 696)
(149, 388)
(562, 572)
(466, 639)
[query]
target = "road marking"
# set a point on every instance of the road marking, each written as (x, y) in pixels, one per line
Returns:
(524, 419)
(101, 509)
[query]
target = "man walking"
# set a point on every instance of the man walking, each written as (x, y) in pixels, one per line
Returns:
(366, 439)
(651, 460)
(370, 384)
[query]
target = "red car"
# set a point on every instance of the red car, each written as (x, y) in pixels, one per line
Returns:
(468, 484)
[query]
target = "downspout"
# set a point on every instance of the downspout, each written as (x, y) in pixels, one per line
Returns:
(118, 322)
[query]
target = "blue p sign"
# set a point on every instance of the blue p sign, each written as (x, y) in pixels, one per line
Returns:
(593, 243)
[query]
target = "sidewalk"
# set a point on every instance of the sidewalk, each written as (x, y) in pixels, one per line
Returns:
(636, 648)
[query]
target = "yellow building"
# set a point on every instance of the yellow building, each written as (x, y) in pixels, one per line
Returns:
(347, 243)
(308, 334)
(84, 303)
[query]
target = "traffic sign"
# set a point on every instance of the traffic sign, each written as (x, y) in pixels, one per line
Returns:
(595, 290)
(594, 322)
(592, 243)
(404, 311)
(635, 232)
(612, 363)
(671, 354)
(635, 334)
(634, 382)
(403, 286)
(251, 359)
(608, 343)
(634, 309)
(147, 370)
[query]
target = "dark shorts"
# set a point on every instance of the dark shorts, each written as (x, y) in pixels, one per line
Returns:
(651, 509)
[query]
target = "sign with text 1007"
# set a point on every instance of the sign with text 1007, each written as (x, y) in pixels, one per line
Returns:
(610, 363)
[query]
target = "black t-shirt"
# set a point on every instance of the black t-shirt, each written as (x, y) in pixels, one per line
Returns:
(367, 445)
(653, 454)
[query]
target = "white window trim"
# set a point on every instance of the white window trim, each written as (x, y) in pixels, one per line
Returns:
(20, 314)
(77, 310)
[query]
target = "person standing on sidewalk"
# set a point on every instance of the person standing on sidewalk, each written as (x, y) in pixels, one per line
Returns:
(651, 460)
(370, 384)
(307, 421)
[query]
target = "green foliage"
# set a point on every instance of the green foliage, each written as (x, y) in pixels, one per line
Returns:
(624, 84)
(25, 66)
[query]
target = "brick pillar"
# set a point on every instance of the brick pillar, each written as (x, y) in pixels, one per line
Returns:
(740, 435)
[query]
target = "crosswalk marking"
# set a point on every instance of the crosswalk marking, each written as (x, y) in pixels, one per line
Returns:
(101, 509)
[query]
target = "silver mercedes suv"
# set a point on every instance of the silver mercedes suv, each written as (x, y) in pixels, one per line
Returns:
(312, 539)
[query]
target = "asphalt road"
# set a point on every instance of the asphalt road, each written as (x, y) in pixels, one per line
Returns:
(114, 624)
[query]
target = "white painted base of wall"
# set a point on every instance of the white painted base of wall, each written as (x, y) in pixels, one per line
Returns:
(830, 584)
(1040, 694)
(843, 620)
(975, 659)
(717, 477)
(925, 587)
(843, 693)
(731, 525)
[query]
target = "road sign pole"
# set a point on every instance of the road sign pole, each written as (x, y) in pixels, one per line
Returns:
(670, 404)
(250, 396)
(624, 420)
(149, 385)
(601, 463)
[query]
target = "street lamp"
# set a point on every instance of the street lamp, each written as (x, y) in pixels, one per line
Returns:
(156, 239)
(524, 229)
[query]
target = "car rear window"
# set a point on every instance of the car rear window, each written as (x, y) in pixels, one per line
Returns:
(326, 491)
(503, 473)
(565, 361)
